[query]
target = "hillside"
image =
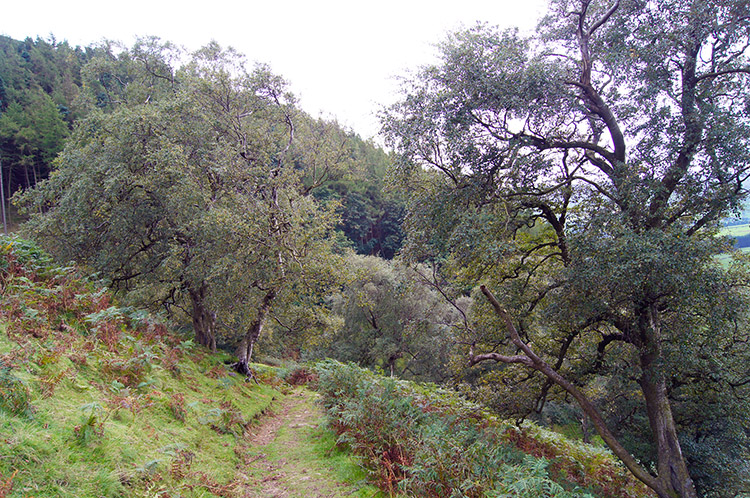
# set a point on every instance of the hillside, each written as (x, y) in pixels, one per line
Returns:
(428, 441)
(97, 400)
(540, 237)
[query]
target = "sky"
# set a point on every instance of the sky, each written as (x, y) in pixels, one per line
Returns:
(343, 59)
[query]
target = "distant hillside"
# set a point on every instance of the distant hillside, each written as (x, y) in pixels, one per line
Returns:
(740, 232)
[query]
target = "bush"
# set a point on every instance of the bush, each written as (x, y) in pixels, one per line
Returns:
(429, 442)
(14, 395)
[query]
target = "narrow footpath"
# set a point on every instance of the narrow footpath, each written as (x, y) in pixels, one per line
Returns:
(287, 455)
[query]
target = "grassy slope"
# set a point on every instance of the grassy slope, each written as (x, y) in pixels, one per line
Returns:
(736, 230)
(86, 436)
(99, 401)
(438, 444)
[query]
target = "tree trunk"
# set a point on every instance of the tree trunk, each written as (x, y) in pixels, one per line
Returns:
(8, 185)
(204, 320)
(585, 429)
(672, 479)
(672, 473)
(245, 349)
(2, 196)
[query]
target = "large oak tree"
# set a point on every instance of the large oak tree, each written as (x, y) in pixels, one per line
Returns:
(188, 188)
(581, 175)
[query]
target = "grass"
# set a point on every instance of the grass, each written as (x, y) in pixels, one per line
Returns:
(100, 401)
(304, 459)
(736, 230)
(91, 437)
(733, 231)
(725, 259)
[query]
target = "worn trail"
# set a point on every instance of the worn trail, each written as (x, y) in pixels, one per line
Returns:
(284, 456)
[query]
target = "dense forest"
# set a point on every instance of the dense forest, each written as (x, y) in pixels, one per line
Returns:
(541, 235)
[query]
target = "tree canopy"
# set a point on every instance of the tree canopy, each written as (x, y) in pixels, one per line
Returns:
(40, 82)
(188, 187)
(581, 175)
(394, 319)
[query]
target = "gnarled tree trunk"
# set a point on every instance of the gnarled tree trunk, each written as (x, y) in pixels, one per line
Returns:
(672, 479)
(245, 349)
(672, 472)
(204, 320)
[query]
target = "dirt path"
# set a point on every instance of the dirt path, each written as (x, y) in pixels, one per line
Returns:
(285, 458)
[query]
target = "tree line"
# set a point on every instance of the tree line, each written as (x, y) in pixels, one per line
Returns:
(47, 86)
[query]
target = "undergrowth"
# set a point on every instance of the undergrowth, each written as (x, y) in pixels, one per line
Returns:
(427, 441)
(98, 400)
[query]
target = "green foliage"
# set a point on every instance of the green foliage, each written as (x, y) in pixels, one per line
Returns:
(194, 209)
(529, 479)
(91, 401)
(394, 318)
(14, 395)
(225, 419)
(431, 442)
(581, 175)
(41, 81)
(92, 424)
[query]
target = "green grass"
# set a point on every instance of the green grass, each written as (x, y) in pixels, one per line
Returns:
(100, 401)
(137, 443)
(736, 230)
(91, 437)
(725, 259)
(305, 458)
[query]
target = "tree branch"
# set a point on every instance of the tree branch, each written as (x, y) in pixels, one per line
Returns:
(745, 70)
(532, 360)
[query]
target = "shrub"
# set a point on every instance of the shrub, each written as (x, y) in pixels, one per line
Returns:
(432, 443)
(14, 395)
(92, 423)
(226, 419)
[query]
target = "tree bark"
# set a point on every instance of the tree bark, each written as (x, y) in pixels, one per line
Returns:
(245, 349)
(672, 471)
(204, 320)
(673, 479)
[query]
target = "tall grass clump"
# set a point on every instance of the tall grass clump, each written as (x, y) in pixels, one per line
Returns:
(429, 442)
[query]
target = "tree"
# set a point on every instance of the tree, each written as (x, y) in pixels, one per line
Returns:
(39, 88)
(371, 214)
(394, 319)
(185, 188)
(3, 95)
(582, 174)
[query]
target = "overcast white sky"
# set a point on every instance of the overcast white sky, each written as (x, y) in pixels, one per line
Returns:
(340, 57)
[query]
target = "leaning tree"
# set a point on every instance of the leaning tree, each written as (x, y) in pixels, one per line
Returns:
(581, 175)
